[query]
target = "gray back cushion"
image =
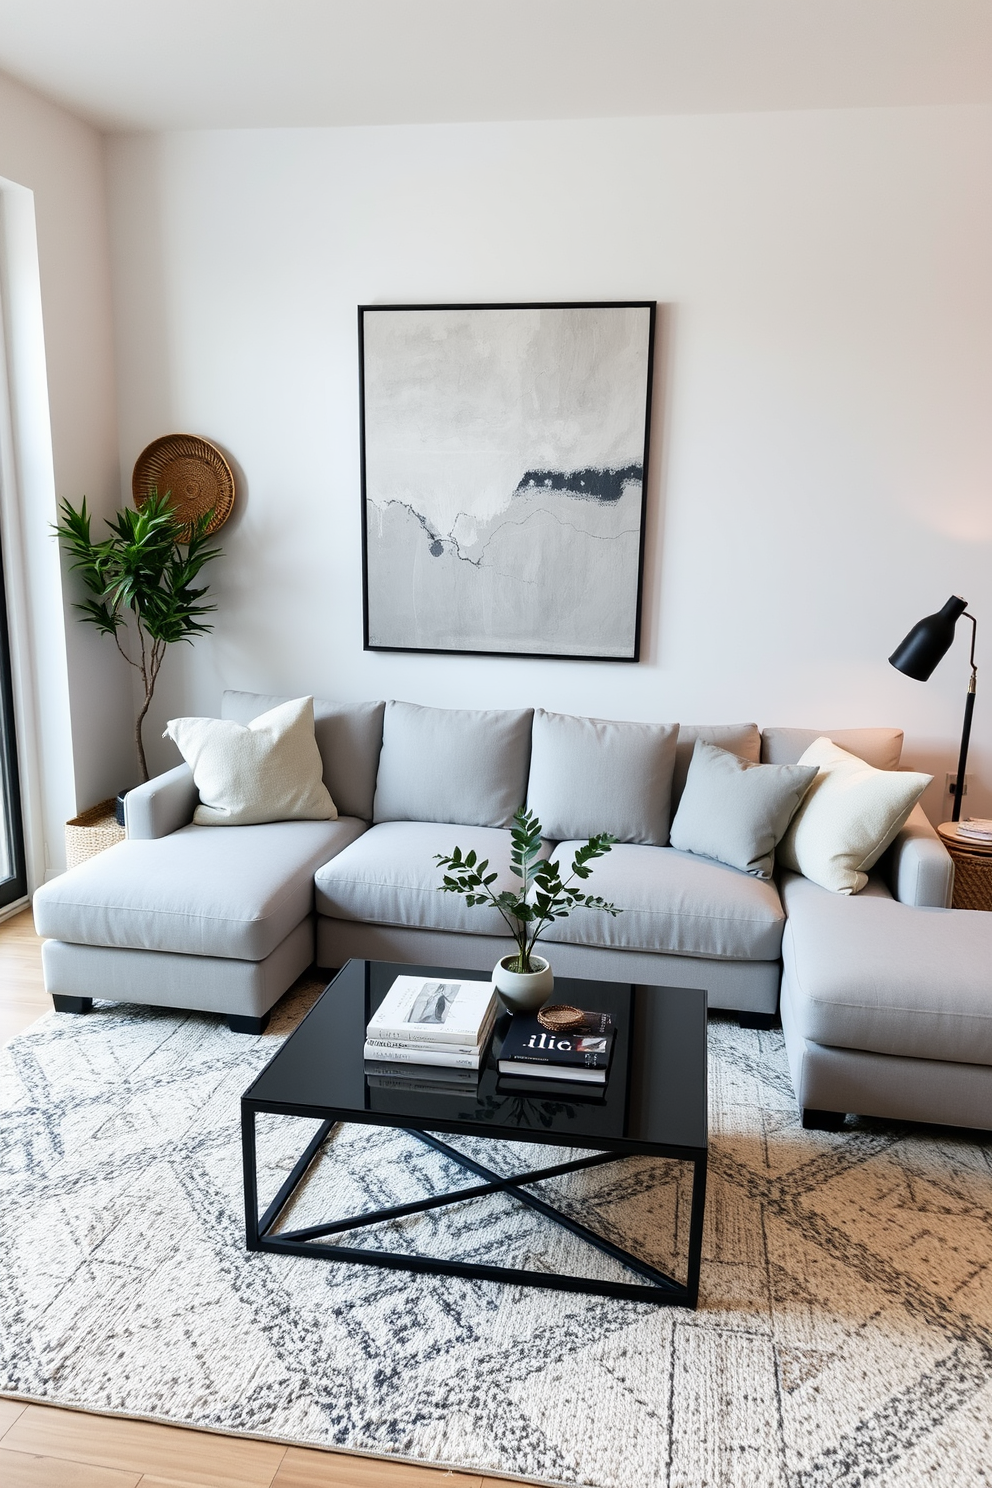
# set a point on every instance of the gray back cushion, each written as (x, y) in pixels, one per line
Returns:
(740, 738)
(349, 737)
(590, 775)
(452, 765)
(880, 747)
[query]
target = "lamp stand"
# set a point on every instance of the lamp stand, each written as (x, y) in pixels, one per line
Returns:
(957, 788)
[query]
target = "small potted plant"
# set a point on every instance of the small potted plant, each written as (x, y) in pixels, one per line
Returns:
(523, 979)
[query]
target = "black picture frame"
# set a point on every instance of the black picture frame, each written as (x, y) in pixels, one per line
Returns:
(593, 370)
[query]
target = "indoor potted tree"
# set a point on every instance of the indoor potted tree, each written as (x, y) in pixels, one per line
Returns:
(146, 569)
(523, 979)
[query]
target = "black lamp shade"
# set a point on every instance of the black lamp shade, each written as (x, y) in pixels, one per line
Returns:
(928, 641)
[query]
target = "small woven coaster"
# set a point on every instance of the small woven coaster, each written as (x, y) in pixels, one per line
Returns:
(560, 1018)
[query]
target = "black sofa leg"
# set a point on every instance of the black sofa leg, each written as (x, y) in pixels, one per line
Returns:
(247, 1025)
(764, 1021)
(814, 1120)
(71, 1004)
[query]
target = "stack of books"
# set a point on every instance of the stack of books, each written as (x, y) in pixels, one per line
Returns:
(422, 1021)
(979, 829)
(582, 1055)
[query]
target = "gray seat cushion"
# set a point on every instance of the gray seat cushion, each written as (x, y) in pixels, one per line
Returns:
(674, 902)
(389, 877)
(205, 891)
(866, 972)
(349, 737)
(452, 765)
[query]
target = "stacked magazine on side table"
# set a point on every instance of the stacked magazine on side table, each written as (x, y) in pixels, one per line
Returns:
(429, 1033)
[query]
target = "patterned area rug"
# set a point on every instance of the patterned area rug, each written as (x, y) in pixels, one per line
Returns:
(844, 1336)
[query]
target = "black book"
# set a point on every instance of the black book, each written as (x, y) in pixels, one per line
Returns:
(582, 1054)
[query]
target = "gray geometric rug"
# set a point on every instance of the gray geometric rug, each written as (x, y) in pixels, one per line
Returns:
(844, 1336)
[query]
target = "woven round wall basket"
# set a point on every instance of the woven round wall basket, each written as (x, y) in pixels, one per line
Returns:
(195, 473)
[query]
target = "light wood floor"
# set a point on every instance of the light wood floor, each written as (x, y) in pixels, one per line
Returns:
(43, 1447)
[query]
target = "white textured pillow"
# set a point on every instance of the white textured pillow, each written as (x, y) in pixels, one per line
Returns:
(850, 815)
(268, 770)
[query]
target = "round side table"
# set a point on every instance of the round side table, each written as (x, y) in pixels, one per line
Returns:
(972, 868)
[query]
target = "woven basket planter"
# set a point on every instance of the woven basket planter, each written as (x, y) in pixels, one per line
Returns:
(972, 879)
(91, 832)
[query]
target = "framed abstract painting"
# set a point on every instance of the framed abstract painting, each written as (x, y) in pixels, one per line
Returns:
(504, 459)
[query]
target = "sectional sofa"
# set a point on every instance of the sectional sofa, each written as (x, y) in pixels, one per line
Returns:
(223, 919)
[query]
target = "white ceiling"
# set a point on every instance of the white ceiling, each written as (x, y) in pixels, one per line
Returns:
(173, 64)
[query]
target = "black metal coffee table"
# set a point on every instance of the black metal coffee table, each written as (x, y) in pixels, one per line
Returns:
(654, 1104)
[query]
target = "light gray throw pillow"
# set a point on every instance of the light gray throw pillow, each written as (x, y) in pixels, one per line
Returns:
(736, 811)
(591, 775)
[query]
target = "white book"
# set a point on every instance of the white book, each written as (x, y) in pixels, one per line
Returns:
(429, 1010)
(437, 1055)
(387, 1042)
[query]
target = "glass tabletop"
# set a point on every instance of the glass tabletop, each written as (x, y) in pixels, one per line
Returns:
(655, 1096)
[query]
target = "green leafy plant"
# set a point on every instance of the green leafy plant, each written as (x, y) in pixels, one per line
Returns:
(543, 896)
(145, 570)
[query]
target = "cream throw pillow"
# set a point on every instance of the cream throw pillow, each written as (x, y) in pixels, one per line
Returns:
(849, 816)
(266, 771)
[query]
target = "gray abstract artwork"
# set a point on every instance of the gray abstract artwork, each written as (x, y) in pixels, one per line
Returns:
(504, 452)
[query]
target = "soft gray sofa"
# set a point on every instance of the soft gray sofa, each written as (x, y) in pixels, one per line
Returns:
(224, 919)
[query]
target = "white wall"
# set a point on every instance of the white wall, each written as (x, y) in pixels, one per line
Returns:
(73, 698)
(822, 444)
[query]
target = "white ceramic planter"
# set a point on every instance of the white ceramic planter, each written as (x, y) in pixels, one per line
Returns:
(523, 991)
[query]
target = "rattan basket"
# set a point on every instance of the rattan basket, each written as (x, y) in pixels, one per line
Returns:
(91, 832)
(972, 868)
(972, 879)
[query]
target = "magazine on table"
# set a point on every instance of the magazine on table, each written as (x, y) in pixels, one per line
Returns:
(980, 828)
(581, 1055)
(434, 1010)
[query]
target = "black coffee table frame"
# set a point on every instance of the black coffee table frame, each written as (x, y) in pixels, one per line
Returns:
(260, 1232)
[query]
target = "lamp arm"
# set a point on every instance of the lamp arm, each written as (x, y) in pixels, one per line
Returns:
(974, 633)
(969, 708)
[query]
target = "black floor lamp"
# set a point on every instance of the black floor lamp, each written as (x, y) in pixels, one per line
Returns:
(928, 641)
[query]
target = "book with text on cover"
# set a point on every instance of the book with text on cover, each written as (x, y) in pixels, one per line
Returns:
(582, 1054)
(431, 1010)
